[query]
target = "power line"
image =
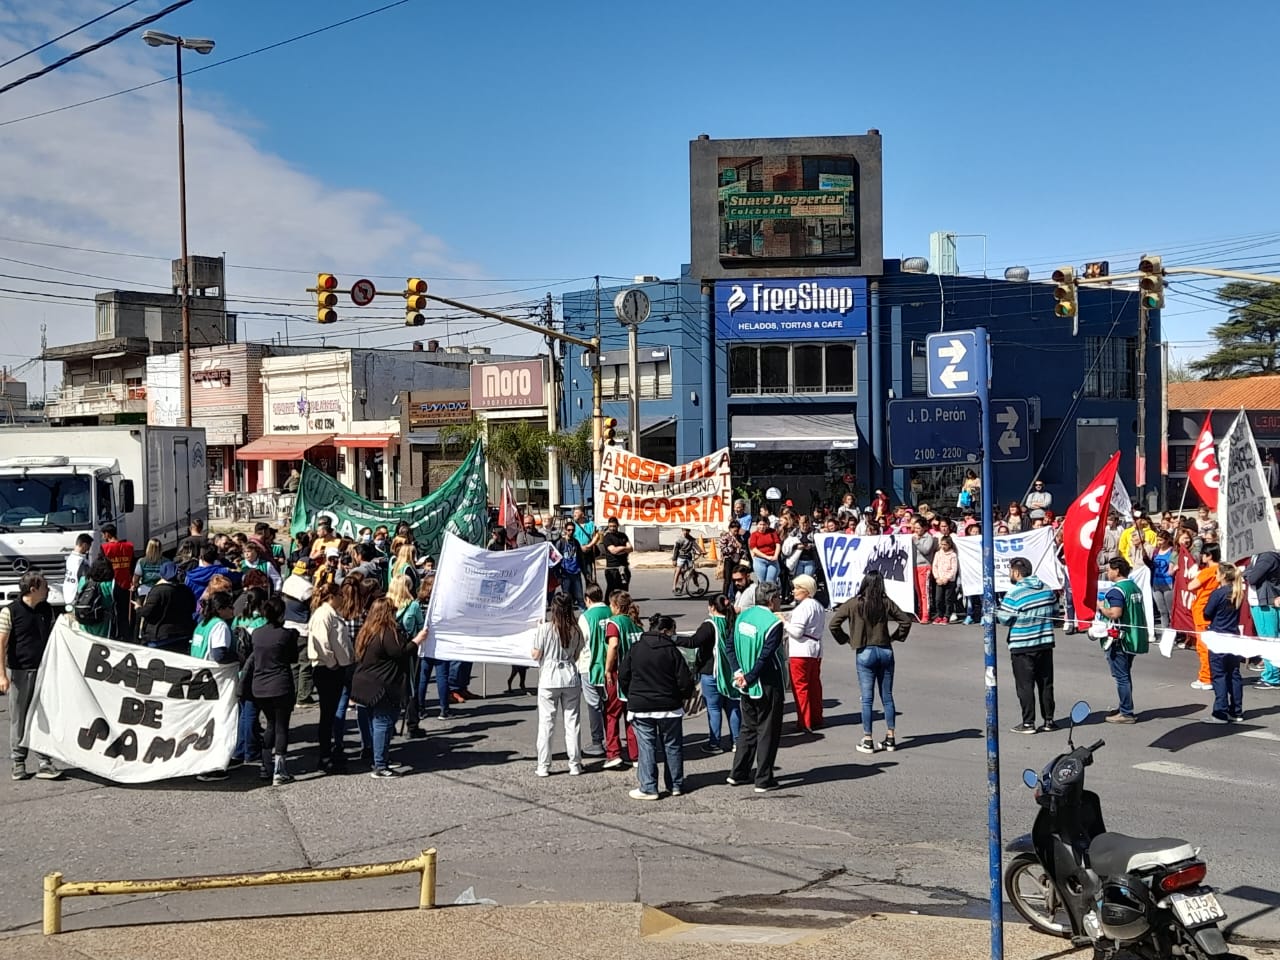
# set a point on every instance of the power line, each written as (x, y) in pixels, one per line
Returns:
(63, 36)
(210, 66)
(122, 32)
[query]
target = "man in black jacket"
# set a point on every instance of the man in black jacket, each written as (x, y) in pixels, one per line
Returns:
(168, 612)
(656, 679)
(1263, 574)
(25, 626)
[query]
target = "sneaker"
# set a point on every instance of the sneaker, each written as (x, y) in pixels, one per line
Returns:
(1264, 685)
(866, 745)
(1198, 685)
(767, 787)
(615, 763)
(575, 771)
(1214, 718)
(888, 744)
(236, 763)
(1257, 667)
(213, 776)
(969, 621)
(1024, 728)
(595, 750)
(638, 794)
(1236, 718)
(939, 619)
(735, 783)
(1047, 727)
(417, 733)
(677, 792)
(281, 778)
(542, 772)
(19, 771)
(955, 618)
(710, 747)
(384, 773)
(47, 771)
(1118, 717)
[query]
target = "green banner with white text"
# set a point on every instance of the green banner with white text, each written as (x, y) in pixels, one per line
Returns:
(460, 506)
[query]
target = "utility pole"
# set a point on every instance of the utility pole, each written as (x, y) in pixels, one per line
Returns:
(632, 309)
(1140, 461)
(553, 408)
(44, 368)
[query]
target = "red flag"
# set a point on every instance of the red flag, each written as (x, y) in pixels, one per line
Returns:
(1082, 531)
(509, 512)
(1180, 616)
(1203, 470)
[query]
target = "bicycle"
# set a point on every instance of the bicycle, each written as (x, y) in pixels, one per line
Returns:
(692, 582)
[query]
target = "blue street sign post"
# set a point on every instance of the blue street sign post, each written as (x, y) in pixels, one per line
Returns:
(982, 375)
(953, 364)
(934, 433)
(1012, 434)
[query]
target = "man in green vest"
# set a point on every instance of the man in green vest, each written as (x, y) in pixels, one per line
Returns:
(591, 665)
(1121, 610)
(755, 659)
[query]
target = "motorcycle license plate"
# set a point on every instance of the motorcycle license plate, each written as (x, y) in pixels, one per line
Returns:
(1197, 911)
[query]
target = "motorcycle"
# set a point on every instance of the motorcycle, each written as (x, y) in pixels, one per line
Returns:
(1108, 890)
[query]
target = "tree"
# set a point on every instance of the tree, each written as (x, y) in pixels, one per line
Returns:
(575, 448)
(1180, 372)
(521, 448)
(1249, 340)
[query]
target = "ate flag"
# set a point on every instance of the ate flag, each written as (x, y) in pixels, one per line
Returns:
(1203, 472)
(1185, 571)
(1082, 539)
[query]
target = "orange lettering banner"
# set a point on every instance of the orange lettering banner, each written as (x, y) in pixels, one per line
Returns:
(644, 492)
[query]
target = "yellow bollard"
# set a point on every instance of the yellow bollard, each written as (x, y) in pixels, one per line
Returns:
(427, 895)
(52, 904)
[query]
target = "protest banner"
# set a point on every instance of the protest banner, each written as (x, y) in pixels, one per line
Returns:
(1082, 539)
(459, 506)
(1036, 546)
(1184, 572)
(131, 714)
(644, 492)
(487, 603)
(1246, 519)
(847, 558)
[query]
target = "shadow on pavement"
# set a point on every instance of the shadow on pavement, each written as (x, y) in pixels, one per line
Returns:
(835, 772)
(928, 739)
(1269, 900)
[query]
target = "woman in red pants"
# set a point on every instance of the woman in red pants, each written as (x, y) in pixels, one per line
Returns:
(803, 629)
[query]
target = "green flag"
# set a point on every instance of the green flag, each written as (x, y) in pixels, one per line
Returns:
(460, 505)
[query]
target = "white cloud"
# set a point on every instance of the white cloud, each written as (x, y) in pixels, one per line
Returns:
(104, 176)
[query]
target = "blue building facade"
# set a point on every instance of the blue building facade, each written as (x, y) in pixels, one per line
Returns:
(801, 372)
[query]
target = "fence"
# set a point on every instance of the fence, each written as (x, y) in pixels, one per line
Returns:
(55, 890)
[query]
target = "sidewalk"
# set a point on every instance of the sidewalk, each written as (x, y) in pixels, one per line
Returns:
(540, 932)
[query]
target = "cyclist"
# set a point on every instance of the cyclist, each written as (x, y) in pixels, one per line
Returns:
(683, 555)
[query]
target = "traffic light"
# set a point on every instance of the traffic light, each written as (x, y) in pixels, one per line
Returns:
(326, 298)
(1065, 294)
(610, 430)
(415, 301)
(1152, 282)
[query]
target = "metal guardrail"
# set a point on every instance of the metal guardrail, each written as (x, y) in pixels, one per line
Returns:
(55, 890)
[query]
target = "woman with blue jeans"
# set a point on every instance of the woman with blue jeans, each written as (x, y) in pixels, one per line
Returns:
(765, 546)
(718, 691)
(383, 655)
(1223, 613)
(869, 614)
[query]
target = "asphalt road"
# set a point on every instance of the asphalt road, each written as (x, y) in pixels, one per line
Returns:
(846, 834)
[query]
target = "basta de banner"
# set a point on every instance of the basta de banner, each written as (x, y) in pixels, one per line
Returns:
(459, 506)
(1037, 546)
(492, 605)
(643, 492)
(1246, 518)
(847, 558)
(131, 714)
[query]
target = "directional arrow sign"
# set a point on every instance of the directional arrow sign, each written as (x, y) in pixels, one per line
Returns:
(951, 361)
(1013, 441)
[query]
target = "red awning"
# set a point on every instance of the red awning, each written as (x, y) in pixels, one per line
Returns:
(279, 447)
(365, 441)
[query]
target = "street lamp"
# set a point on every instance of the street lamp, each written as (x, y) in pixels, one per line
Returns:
(155, 38)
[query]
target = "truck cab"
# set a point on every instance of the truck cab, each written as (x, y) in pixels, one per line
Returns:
(45, 503)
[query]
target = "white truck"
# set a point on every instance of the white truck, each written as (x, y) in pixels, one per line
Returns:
(59, 482)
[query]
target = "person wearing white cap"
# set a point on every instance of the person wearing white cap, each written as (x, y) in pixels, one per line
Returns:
(803, 629)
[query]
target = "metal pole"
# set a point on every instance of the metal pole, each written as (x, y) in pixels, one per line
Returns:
(708, 398)
(597, 419)
(983, 372)
(633, 382)
(1140, 462)
(877, 390)
(186, 273)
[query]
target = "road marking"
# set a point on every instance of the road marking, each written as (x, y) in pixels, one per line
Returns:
(1194, 773)
(1260, 734)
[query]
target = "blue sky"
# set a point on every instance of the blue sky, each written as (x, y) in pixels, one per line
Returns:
(514, 141)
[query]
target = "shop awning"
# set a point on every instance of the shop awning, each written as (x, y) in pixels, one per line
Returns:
(365, 441)
(794, 431)
(283, 447)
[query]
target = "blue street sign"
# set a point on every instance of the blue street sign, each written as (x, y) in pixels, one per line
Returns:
(952, 360)
(934, 433)
(1012, 441)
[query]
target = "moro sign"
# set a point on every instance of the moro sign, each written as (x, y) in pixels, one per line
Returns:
(499, 386)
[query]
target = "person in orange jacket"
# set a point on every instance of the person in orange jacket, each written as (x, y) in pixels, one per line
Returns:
(1202, 586)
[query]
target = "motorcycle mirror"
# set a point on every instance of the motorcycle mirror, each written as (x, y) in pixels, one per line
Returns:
(1080, 712)
(1029, 777)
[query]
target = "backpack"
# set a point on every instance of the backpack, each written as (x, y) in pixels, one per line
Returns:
(90, 607)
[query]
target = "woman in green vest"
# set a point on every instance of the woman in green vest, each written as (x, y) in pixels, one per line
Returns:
(213, 640)
(146, 572)
(100, 573)
(621, 630)
(712, 664)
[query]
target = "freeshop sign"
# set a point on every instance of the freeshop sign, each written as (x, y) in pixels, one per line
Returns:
(811, 309)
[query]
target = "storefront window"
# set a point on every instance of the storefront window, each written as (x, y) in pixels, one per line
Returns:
(744, 370)
(840, 371)
(808, 369)
(775, 370)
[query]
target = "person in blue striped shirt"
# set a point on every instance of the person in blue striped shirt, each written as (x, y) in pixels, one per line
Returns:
(1028, 610)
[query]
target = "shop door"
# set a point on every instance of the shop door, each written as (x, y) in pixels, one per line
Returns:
(1097, 440)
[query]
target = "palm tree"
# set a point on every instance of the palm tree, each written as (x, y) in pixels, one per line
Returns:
(519, 450)
(575, 448)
